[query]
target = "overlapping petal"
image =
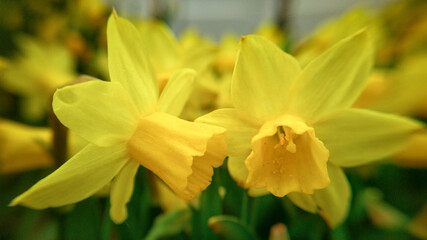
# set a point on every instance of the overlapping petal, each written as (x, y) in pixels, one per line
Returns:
(237, 168)
(333, 80)
(80, 177)
(357, 136)
(101, 112)
(262, 77)
(334, 201)
(303, 201)
(128, 64)
(177, 91)
(121, 191)
(238, 139)
(240, 130)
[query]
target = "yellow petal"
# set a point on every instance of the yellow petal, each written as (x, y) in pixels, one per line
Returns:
(415, 154)
(237, 168)
(240, 130)
(257, 192)
(334, 201)
(238, 139)
(128, 63)
(198, 58)
(160, 45)
(357, 136)
(101, 112)
(121, 191)
(23, 148)
(167, 199)
(262, 77)
(177, 91)
(287, 157)
(333, 80)
(80, 177)
(181, 153)
(303, 201)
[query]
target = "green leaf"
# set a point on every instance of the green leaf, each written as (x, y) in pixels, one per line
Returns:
(139, 208)
(232, 201)
(83, 222)
(210, 205)
(229, 227)
(170, 224)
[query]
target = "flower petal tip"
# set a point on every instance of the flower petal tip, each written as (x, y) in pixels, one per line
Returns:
(114, 13)
(14, 202)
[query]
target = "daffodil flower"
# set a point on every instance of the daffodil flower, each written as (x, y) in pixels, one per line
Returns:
(167, 54)
(36, 74)
(292, 129)
(23, 148)
(127, 124)
(336, 29)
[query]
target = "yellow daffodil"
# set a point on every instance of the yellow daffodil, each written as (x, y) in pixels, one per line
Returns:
(36, 74)
(406, 26)
(167, 54)
(292, 130)
(415, 155)
(226, 54)
(400, 90)
(127, 124)
(273, 33)
(191, 39)
(24, 148)
(335, 30)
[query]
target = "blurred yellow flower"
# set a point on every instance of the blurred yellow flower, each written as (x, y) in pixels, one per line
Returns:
(273, 33)
(23, 148)
(167, 54)
(415, 155)
(335, 30)
(292, 130)
(36, 74)
(405, 23)
(400, 90)
(226, 54)
(127, 124)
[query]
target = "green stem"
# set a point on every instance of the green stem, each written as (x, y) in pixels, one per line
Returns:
(254, 211)
(244, 213)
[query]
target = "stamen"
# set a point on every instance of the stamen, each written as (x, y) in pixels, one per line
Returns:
(281, 135)
(286, 138)
(289, 135)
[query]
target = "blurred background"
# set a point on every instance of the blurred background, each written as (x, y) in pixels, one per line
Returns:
(47, 44)
(244, 16)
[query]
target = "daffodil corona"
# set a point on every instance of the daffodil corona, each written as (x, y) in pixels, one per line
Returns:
(127, 124)
(292, 129)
